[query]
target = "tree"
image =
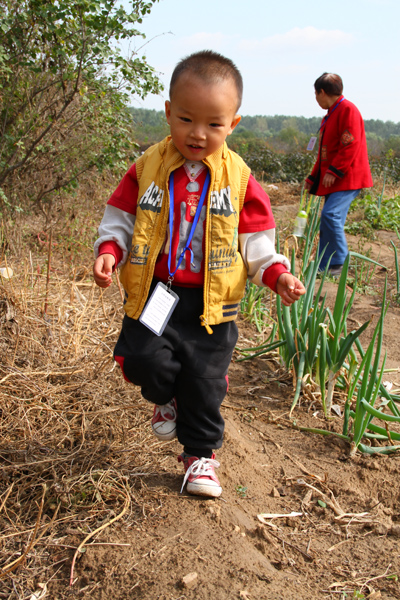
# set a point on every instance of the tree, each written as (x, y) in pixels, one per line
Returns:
(64, 90)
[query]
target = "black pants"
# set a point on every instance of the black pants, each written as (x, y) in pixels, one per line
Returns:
(185, 362)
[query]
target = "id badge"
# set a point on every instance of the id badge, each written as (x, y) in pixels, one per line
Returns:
(159, 308)
(311, 143)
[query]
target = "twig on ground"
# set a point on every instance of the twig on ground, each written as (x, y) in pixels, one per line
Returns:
(12, 566)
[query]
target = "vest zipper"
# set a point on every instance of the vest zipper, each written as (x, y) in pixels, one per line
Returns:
(206, 292)
(205, 324)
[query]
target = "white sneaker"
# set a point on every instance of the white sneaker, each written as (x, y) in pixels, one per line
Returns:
(163, 422)
(200, 476)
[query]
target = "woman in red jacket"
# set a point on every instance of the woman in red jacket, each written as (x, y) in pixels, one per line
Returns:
(341, 169)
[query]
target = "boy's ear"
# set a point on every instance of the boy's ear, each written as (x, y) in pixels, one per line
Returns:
(167, 110)
(234, 123)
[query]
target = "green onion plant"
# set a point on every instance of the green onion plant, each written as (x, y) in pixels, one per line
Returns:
(396, 260)
(253, 306)
(314, 342)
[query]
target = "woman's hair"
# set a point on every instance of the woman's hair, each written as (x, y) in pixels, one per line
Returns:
(209, 66)
(331, 83)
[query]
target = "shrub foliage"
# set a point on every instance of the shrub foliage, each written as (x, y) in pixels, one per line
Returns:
(64, 90)
(269, 165)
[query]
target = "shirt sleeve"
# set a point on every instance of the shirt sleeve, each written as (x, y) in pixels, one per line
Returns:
(257, 238)
(256, 214)
(116, 228)
(126, 195)
(263, 263)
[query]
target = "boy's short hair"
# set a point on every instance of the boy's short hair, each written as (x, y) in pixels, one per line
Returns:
(331, 83)
(209, 66)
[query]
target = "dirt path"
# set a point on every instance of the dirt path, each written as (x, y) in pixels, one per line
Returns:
(344, 542)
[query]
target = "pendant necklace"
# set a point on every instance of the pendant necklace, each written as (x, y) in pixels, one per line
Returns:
(193, 170)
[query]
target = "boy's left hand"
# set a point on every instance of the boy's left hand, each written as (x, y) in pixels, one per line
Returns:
(289, 288)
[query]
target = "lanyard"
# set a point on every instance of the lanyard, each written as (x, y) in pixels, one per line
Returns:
(193, 227)
(329, 114)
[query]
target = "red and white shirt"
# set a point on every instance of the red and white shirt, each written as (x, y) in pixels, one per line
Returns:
(256, 230)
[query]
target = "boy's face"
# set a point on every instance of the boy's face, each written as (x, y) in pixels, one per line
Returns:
(201, 115)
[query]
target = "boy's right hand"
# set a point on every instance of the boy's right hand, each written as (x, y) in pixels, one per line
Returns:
(102, 269)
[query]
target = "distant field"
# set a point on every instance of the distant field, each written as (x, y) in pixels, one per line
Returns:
(281, 132)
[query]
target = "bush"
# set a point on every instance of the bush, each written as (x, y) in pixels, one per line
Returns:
(387, 165)
(273, 166)
(64, 92)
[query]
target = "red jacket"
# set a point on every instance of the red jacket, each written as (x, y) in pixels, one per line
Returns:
(342, 151)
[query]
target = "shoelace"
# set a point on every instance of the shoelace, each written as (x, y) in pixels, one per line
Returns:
(200, 467)
(168, 409)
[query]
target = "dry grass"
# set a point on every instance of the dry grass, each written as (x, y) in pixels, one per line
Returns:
(71, 430)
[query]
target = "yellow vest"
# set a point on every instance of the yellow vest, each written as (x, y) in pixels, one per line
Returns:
(225, 273)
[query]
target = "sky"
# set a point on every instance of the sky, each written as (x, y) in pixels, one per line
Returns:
(281, 47)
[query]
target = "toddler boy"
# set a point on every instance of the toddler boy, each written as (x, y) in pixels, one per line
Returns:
(189, 224)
